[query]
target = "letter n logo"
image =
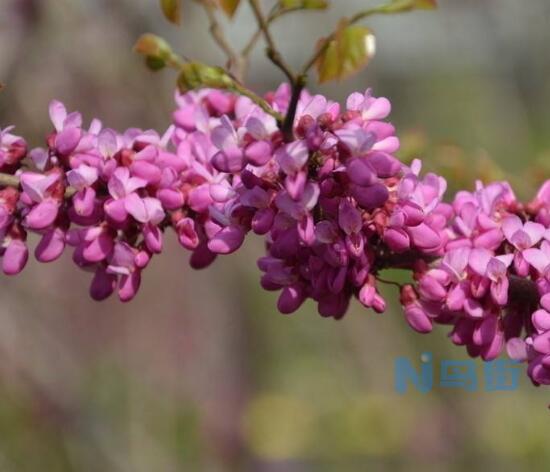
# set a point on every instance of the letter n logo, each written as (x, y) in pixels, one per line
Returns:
(404, 372)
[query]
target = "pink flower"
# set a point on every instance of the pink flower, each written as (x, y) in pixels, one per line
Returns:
(370, 108)
(14, 256)
(539, 258)
(521, 236)
(495, 269)
(123, 263)
(121, 185)
(44, 206)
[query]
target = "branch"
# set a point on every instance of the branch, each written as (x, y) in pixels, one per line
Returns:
(272, 53)
(288, 124)
(242, 90)
(274, 15)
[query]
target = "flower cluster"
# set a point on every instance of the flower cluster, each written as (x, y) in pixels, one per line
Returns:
(334, 206)
(491, 285)
(105, 194)
(331, 204)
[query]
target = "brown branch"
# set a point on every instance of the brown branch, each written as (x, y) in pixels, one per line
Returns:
(240, 89)
(272, 52)
(288, 124)
(274, 15)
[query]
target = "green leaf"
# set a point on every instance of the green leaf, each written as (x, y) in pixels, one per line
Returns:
(303, 4)
(229, 6)
(171, 10)
(426, 4)
(350, 50)
(397, 6)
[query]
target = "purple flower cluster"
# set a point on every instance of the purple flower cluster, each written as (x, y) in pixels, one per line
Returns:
(96, 190)
(492, 284)
(334, 206)
(331, 204)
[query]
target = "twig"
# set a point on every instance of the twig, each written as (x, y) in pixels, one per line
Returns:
(389, 282)
(288, 124)
(274, 15)
(272, 53)
(242, 90)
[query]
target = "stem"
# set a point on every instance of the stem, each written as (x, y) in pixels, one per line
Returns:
(175, 61)
(523, 293)
(389, 282)
(272, 53)
(242, 90)
(8, 180)
(275, 14)
(288, 124)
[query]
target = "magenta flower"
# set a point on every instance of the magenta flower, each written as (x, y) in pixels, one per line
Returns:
(369, 107)
(539, 258)
(12, 149)
(121, 185)
(333, 204)
(38, 191)
(123, 264)
(14, 256)
(522, 236)
(485, 264)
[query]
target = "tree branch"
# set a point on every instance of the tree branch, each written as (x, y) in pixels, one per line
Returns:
(272, 53)
(273, 15)
(288, 124)
(242, 90)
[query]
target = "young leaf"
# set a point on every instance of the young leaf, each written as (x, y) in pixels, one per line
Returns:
(426, 4)
(229, 6)
(303, 4)
(171, 10)
(397, 6)
(351, 49)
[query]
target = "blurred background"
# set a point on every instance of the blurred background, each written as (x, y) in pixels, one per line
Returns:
(199, 372)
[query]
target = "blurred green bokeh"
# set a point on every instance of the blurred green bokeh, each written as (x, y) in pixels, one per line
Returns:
(200, 372)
